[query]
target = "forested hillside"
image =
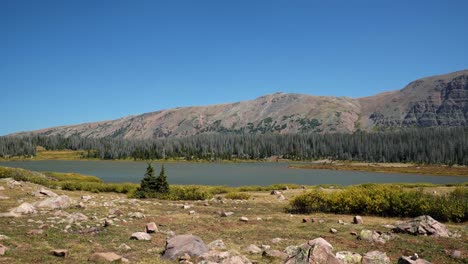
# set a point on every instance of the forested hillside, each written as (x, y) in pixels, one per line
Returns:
(428, 145)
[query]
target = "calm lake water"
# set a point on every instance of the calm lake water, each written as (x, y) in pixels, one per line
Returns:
(230, 174)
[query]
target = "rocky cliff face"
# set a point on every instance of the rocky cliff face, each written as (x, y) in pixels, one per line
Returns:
(433, 101)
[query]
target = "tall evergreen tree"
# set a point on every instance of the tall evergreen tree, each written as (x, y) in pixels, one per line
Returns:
(162, 186)
(148, 184)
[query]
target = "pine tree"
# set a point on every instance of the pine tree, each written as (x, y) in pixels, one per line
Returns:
(148, 184)
(162, 186)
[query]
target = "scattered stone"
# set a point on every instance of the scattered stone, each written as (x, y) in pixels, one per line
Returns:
(333, 231)
(4, 197)
(281, 197)
(314, 251)
(389, 226)
(105, 257)
(59, 202)
(275, 192)
(3, 237)
(45, 192)
(226, 214)
(423, 225)
(358, 220)
(348, 257)
(321, 221)
(303, 187)
(374, 236)
(341, 222)
(81, 205)
(227, 257)
(265, 247)
(306, 220)
(456, 254)
(117, 212)
(206, 204)
(140, 236)
(243, 219)
(185, 206)
(2, 188)
(192, 212)
(24, 208)
(59, 253)
(3, 250)
(273, 253)
(86, 198)
(151, 227)
(412, 260)
(181, 244)
(217, 244)
(78, 217)
(124, 247)
(34, 232)
(375, 257)
(276, 240)
(108, 222)
(353, 233)
(44, 226)
(136, 215)
(253, 249)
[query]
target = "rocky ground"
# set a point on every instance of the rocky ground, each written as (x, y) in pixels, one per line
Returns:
(49, 226)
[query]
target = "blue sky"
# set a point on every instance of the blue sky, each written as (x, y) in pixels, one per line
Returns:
(69, 62)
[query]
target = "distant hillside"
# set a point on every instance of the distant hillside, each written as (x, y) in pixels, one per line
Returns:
(433, 101)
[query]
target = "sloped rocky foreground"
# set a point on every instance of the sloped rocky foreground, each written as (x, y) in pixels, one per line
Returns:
(51, 226)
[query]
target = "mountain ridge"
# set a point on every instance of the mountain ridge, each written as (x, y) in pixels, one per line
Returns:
(440, 100)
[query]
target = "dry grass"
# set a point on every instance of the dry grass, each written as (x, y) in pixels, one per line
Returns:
(206, 223)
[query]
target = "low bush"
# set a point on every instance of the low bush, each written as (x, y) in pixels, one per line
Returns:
(384, 200)
(237, 196)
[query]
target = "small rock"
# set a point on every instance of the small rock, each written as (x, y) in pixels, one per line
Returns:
(243, 219)
(375, 257)
(276, 240)
(353, 233)
(3, 237)
(206, 204)
(265, 247)
(272, 253)
(357, 220)
(124, 247)
(59, 202)
(226, 214)
(45, 192)
(456, 254)
(341, 222)
(86, 198)
(185, 206)
(151, 227)
(305, 220)
(184, 244)
(136, 215)
(3, 250)
(59, 253)
(217, 245)
(333, 231)
(24, 208)
(253, 249)
(35, 232)
(281, 197)
(411, 260)
(347, 257)
(105, 257)
(140, 236)
(192, 212)
(274, 192)
(108, 222)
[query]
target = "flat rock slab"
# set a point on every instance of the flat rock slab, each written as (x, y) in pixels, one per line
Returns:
(140, 236)
(59, 202)
(423, 225)
(184, 244)
(105, 257)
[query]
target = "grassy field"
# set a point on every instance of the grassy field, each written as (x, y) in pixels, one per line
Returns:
(268, 219)
(437, 170)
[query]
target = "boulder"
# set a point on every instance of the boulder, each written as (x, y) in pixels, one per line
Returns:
(253, 249)
(59, 253)
(24, 208)
(226, 257)
(412, 260)
(59, 202)
(217, 244)
(140, 236)
(177, 246)
(375, 257)
(348, 257)
(3, 250)
(105, 257)
(374, 236)
(317, 251)
(45, 192)
(151, 227)
(357, 220)
(423, 225)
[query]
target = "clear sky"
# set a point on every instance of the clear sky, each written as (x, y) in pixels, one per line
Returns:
(76, 61)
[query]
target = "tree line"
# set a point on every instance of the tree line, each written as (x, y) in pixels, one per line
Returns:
(419, 145)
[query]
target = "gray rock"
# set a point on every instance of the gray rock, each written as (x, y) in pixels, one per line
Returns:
(59, 202)
(105, 257)
(3, 250)
(253, 249)
(275, 192)
(78, 217)
(243, 219)
(423, 225)
(456, 254)
(273, 253)
(140, 236)
(357, 220)
(374, 236)
(124, 247)
(333, 231)
(24, 208)
(375, 257)
(179, 245)
(136, 215)
(276, 240)
(226, 214)
(217, 244)
(151, 227)
(410, 260)
(225, 257)
(45, 192)
(314, 251)
(348, 257)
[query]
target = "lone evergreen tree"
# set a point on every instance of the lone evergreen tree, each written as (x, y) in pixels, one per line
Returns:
(148, 183)
(162, 186)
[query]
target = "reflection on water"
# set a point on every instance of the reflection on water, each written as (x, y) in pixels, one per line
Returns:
(231, 174)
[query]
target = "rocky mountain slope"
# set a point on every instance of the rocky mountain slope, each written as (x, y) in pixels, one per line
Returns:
(433, 101)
